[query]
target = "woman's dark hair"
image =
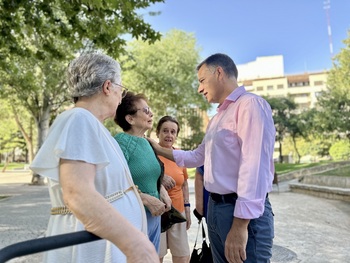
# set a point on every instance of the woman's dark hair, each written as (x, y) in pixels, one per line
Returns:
(127, 107)
(165, 119)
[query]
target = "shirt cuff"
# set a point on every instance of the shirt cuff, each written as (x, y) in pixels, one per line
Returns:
(249, 209)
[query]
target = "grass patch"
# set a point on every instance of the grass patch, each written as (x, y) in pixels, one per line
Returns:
(282, 168)
(3, 196)
(342, 171)
(12, 166)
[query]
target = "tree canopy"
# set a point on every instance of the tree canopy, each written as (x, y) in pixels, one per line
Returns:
(166, 73)
(334, 103)
(284, 118)
(40, 27)
(38, 38)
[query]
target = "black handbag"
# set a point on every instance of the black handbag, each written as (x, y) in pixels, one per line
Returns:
(203, 254)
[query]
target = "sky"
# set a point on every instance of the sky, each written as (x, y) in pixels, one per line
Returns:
(246, 29)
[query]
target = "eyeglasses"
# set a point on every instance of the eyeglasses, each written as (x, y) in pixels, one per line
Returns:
(146, 110)
(124, 89)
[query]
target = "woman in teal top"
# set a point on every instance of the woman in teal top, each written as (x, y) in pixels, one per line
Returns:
(135, 118)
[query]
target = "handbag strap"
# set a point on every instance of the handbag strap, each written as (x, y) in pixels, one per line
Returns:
(195, 242)
(203, 231)
(200, 224)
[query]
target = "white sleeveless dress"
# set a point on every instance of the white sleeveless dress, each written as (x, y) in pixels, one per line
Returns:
(76, 134)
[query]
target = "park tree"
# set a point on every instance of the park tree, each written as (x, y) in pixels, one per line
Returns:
(16, 135)
(295, 131)
(166, 73)
(334, 103)
(9, 138)
(315, 146)
(283, 112)
(39, 38)
(301, 126)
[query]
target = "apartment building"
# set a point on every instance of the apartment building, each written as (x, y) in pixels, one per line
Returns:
(304, 88)
(265, 77)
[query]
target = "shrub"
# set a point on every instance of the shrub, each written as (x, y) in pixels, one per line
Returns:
(340, 150)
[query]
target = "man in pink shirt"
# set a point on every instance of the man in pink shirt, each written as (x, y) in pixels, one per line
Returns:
(237, 153)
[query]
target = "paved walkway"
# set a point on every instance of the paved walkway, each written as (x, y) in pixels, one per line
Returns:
(307, 229)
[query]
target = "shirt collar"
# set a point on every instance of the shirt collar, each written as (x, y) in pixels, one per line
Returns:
(233, 97)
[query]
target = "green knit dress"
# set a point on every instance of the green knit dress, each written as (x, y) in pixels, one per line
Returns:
(143, 164)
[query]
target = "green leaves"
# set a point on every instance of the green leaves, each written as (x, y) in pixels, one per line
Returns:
(334, 103)
(340, 150)
(38, 38)
(165, 73)
(32, 26)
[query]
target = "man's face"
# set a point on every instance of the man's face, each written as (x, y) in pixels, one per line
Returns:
(207, 78)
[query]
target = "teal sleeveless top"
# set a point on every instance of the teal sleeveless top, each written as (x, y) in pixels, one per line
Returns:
(143, 163)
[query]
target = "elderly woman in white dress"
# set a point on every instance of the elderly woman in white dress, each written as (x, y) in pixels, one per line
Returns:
(89, 181)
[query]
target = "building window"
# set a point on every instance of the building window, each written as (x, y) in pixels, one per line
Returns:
(269, 87)
(301, 95)
(303, 83)
(280, 86)
(260, 88)
(298, 84)
(318, 83)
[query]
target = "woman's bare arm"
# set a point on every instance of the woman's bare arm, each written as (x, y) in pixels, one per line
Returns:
(186, 195)
(98, 216)
(198, 189)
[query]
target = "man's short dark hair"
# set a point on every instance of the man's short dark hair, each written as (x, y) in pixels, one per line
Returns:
(223, 61)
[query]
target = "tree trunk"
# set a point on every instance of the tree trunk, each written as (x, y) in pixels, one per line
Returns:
(30, 146)
(296, 149)
(28, 137)
(6, 163)
(43, 123)
(280, 152)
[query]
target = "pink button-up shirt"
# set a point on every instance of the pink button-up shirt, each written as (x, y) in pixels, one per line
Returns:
(237, 152)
